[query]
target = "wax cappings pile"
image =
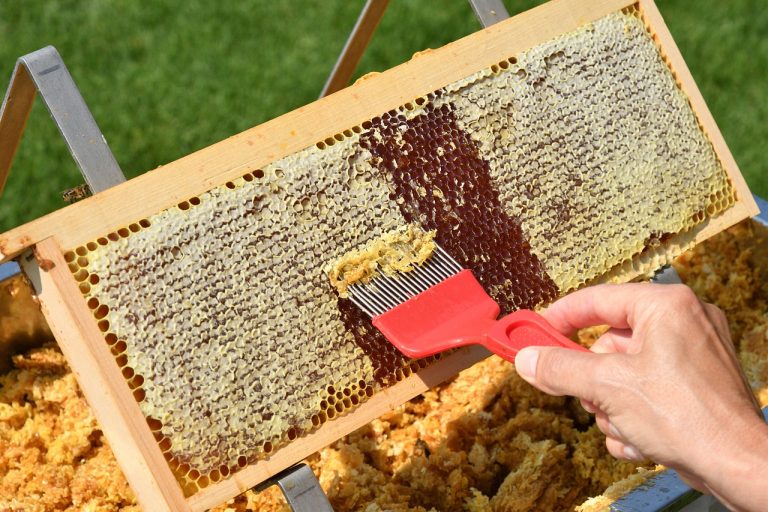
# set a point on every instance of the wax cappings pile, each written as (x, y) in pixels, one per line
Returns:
(465, 445)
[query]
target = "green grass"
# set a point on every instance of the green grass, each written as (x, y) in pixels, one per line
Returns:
(167, 77)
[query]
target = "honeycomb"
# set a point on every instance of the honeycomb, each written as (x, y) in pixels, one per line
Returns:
(545, 171)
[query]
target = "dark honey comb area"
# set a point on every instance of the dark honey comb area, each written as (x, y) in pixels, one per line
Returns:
(541, 173)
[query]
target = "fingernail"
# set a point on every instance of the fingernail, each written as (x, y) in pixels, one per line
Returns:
(613, 430)
(526, 361)
(631, 453)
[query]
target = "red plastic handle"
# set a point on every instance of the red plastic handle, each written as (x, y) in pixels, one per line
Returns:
(522, 329)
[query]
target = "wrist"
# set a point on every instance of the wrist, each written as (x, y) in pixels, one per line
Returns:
(734, 467)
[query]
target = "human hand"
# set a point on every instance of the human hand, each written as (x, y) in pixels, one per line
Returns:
(664, 384)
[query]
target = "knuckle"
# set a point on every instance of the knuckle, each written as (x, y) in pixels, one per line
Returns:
(682, 295)
(662, 301)
(716, 313)
(676, 299)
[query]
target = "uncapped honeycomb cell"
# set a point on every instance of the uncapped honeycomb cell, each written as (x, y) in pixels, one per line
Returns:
(574, 161)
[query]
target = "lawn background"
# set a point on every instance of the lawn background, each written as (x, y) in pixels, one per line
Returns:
(164, 78)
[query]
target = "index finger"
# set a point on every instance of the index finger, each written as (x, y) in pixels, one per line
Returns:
(604, 304)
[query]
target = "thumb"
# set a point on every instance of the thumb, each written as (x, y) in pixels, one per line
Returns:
(559, 371)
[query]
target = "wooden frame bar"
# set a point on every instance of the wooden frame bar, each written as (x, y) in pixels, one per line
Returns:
(79, 337)
(746, 205)
(99, 377)
(382, 402)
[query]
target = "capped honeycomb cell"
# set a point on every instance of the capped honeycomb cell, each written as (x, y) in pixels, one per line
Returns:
(558, 166)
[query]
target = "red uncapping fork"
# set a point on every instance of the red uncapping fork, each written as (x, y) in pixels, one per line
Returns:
(438, 306)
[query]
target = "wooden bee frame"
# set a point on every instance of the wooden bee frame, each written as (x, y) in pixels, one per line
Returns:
(38, 244)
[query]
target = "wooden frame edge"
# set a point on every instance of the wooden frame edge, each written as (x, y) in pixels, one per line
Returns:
(100, 380)
(383, 401)
(669, 49)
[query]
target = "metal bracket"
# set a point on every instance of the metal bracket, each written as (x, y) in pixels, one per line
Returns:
(301, 489)
(488, 12)
(44, 71)
(666, 275)
(353, 50)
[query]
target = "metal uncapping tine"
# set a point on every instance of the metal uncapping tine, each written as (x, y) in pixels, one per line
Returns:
(423, 277)
(399, 286)
(390, 292)
(361, 303)
(355, 293)
(435, 266)
(403, 284)
(359, 295)
(421, 280)
(431, 271)
(384, 300)
(386, 292)
(393, 286)
(373, 298)
(457, 268)
(443, 267)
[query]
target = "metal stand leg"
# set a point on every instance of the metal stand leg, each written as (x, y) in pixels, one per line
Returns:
(488, 12)
(300, 488)
(44, 71)
(666, 275)
(355, 46)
